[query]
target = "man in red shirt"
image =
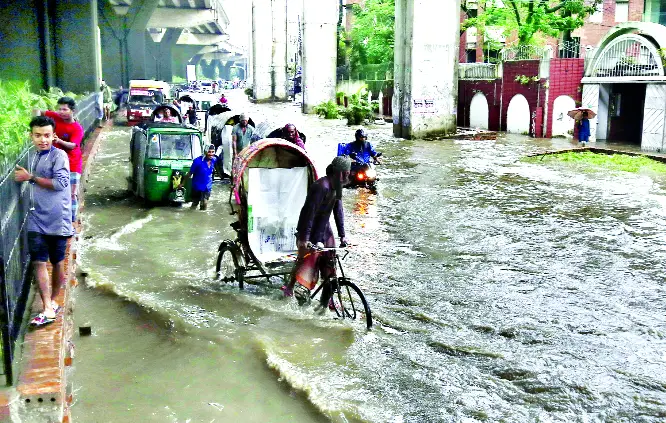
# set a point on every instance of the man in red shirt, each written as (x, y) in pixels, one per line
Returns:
(68, 137)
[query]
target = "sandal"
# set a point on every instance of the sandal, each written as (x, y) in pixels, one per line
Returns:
(41, 320)
(56, 309)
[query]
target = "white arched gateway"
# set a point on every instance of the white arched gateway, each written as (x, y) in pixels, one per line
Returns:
(562, 122)
(478, 111)
(518, 115)
(625, 84)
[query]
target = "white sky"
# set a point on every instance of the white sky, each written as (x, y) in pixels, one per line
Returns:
(240, 21)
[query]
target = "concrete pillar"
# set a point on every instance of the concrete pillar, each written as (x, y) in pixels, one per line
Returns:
(269, 28)
(224, 68)
(320, 52)
(22, 46)
(167, 46)
(152, 57)
(591, 101)
(602, 113)
(181, 56)
(112, 46)
(426, 67)
(75, 28)
(139, 13)
(279, 59)
(262, 52)
(209, 68)
(196, 59)
(654, 118)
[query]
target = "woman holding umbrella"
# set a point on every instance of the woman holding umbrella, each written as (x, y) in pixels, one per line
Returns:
(582, 117)
(584, 129)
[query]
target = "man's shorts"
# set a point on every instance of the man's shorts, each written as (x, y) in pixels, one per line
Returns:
(74, 178)
(47, 247)
(200, 195)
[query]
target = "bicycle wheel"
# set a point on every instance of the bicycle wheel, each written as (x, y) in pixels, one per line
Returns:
(228, 267)
(350, 303)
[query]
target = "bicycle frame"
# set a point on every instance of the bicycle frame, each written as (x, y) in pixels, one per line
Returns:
(338, 266)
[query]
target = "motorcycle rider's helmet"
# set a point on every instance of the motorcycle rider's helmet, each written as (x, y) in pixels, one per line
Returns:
(360, 133)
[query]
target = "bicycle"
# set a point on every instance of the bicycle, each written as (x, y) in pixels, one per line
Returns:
(347, 300)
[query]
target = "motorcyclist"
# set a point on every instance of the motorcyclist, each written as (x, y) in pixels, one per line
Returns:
(361, 151)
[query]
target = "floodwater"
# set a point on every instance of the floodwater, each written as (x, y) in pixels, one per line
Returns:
(502, 291)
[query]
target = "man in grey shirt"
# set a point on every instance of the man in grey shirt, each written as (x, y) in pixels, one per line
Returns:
(241, 135)
(50, 216)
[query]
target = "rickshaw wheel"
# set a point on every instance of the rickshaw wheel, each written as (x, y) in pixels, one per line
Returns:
(228, 265)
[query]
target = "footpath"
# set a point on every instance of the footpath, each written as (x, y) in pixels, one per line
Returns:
(43, 392)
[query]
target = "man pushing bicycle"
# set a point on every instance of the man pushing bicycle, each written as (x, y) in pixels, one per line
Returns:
(324, 197)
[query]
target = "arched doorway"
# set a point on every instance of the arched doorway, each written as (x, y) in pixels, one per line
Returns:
(478, 111)
(562, 123)
(518, 115)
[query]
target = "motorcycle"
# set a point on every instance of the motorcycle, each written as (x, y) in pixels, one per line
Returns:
(363, 174)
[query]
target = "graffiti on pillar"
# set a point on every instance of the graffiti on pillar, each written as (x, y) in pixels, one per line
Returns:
(423, 106)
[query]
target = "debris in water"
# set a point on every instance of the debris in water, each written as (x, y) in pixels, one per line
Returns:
(216, 405)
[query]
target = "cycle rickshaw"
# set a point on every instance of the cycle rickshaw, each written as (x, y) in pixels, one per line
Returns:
(271, 178)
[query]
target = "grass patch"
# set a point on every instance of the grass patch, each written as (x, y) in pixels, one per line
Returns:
(608, 162)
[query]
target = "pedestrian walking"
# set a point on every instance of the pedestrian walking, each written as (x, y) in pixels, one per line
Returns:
(49, 218)
(107, 98)
(241, 134)
(201, 172)
(68, 137)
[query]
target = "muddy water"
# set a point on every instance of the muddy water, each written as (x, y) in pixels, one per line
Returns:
(501, 290)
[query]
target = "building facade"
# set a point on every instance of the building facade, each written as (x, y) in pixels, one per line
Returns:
(485, 47)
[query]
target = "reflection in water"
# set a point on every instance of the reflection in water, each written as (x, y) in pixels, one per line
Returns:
(501, 291)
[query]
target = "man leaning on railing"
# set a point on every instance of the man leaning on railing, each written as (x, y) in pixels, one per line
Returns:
(50, 216)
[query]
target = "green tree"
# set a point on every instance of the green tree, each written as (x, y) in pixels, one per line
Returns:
(529, 18)
(372, 34)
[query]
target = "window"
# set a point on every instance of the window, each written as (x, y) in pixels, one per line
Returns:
(171, 146)
(621, 11)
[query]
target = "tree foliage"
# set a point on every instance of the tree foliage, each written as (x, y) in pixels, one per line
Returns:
(17, 101)
(530, 18)
(372, 34)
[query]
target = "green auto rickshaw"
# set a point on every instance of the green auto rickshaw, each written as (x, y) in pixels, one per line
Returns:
(161, 153)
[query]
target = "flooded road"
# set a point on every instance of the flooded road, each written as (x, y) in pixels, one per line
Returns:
(501, 291)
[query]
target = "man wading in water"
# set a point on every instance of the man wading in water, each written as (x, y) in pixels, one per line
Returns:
(202, 181)
(324, 197)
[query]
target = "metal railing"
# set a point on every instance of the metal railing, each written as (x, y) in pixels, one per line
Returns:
(14, 262)
(478, 71)
(628, 56)
(15, 272)
(86, 113)
(523, 52)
